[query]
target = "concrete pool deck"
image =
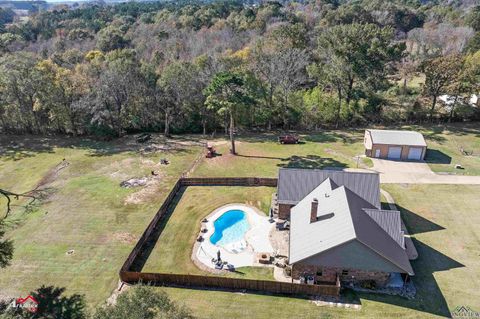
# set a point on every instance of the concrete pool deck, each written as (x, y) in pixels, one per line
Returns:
(256, 239)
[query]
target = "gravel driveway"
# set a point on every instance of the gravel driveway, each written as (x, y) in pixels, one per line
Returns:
(394, 172)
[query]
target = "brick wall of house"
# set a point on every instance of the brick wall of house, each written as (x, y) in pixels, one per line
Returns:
(384, 151)
(284, 211)
(329, 274)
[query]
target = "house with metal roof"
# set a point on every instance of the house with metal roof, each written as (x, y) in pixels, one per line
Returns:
(395, 145)
(294, 184)
(338, 230)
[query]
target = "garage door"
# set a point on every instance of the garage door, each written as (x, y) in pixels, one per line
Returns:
(415, 153)
(394, 152)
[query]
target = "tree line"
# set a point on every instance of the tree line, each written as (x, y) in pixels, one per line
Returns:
(198, 67)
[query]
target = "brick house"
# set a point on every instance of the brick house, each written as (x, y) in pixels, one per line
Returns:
(336, 232)
(395, 145)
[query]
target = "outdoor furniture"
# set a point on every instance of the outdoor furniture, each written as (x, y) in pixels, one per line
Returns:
(283, 225)
(264, 258)
(310, 280)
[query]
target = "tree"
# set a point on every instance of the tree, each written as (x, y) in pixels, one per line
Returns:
(280, 70)
(354, 55)
(60, 89)
(118, 94)
(225, 94)
(473, 18)
(141, 302)
(110, 39)
(440, 72)
(471, 73)
(180, 89)
(52, 304)
(19, 85)
(406, 69)
(6, 248)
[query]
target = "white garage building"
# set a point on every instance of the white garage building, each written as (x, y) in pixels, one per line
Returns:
(395, 145)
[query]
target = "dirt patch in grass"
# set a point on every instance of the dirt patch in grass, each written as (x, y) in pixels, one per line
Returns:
(147, 192)
(124, 237)
(52, 174)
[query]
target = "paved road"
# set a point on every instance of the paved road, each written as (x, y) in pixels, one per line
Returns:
(394, 172)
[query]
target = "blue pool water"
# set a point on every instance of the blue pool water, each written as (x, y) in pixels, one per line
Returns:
(230, 227)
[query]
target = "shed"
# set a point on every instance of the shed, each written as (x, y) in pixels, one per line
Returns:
(395, 145)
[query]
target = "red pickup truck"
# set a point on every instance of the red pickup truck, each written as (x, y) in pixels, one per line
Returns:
(288, 139)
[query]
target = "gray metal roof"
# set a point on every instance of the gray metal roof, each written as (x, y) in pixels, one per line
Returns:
(347, 221)
(390, 221)
(295, 183)
(391, 137)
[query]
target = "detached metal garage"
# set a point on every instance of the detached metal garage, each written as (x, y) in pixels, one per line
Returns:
(395, 145)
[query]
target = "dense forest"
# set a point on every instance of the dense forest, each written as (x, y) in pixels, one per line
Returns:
(108, 70)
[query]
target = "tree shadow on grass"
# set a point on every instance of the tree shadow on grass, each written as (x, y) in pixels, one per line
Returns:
(261, 157)
(312, 162)
(17, 147)
(437, 157)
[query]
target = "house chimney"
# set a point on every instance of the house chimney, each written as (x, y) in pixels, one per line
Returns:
(313, 211)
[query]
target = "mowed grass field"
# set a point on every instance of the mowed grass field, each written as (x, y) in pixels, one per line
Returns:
(173, 249)
(445, 144)
(443, 219)
(261, 155)
(87, 211)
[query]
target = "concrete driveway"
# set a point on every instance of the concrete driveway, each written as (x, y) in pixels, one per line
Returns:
(394, 172)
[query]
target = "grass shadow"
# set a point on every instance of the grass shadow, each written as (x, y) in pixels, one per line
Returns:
(17, 147)
(144, 254)
(311, 161)
(417, 224)
(429, 297)
(437, 157)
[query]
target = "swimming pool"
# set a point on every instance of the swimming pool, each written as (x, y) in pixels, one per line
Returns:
(230, 227)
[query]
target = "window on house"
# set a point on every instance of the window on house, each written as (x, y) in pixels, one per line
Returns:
(319, 273)
(344, 272)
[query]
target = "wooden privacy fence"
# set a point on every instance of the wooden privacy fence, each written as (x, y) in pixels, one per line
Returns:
(229, 181)
(186, 280)
(199, 281)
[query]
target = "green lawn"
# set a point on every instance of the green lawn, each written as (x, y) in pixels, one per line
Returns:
(444, 222)
(445, 144)
(261, 155)
(173, 250)
(87, 211)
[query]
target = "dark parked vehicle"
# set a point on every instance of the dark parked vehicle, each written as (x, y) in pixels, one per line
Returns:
(288, 139)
